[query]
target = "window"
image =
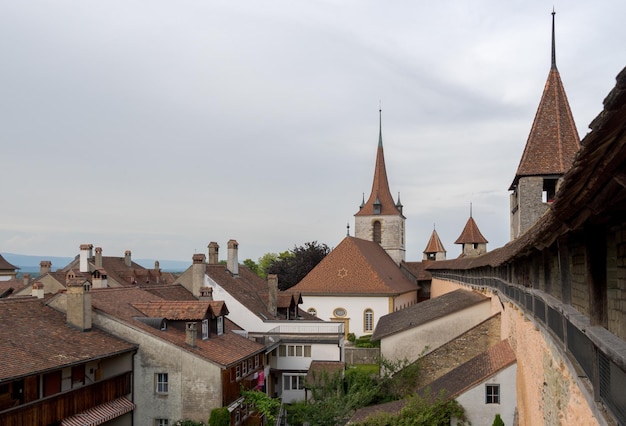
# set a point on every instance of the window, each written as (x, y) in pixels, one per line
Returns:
(312, 311)
(237, 416)
(295, 350)
(161, 383)
(293, 382)
(377, 232)
(256, 361)
(238, 371)
(250, 364)
(161, 422)
(220, 325)
(339, 312)
(205, 329)
(492, 393)
(244, 368)
(368, 320)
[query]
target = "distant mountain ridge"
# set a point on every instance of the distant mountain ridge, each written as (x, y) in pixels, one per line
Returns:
(30, 264)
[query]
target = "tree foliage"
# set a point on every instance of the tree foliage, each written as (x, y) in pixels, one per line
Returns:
(266, 405)
(293, 265)
(498, 421)
(219, 417)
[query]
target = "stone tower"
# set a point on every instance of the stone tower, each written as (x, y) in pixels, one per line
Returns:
(380, 219)
(552, 144)
(472, 241)
(434, 249)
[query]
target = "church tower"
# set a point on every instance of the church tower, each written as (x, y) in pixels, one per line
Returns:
(434, 249)
(552, 144)
(471, 239)
(380, 219)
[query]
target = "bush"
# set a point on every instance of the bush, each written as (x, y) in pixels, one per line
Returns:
(219, 417)
(498, 421)
(351, 337)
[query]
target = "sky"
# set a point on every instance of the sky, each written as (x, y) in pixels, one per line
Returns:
(161, 126)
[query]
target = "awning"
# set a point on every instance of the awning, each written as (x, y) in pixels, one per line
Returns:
(101, 413)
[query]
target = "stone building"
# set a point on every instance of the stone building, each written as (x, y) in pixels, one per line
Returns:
(550, 149)
(380, 219)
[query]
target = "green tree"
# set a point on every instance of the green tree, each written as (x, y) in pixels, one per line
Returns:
(266, 405)
(498, 421)
(293, 265)
(219, 417)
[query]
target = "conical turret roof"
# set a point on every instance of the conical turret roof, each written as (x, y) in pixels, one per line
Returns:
(380, 194)
(471, 234)
(553, 140)
(434, 244)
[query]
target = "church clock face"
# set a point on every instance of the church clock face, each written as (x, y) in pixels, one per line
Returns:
(339, 312)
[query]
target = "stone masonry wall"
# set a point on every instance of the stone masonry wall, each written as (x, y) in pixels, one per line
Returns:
(580, 293)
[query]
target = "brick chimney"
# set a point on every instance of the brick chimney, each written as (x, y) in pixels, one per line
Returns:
(214, 249)
(45, 266)
(26, 279)
(232, 261)
(98, 260)
(191, 330)
(157, 271)
(78, 295)
(127, 259)
(198, 270)
(206, 293)
(272, 300)
(85, 255)
(37, 290)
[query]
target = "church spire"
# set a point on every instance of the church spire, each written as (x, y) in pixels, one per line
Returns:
(553, 66)
(380, 200)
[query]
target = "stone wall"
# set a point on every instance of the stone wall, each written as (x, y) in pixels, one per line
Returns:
(360, 356)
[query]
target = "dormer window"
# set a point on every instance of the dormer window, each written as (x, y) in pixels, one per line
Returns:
(220, 325)
(377, 206)
(205, 329)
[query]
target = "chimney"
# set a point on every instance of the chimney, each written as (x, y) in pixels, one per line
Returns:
(99, 278)
(272, 300)
(214, 249)
(206, 293)
(157, 271)
(198, 270)
(26, 279)
(37, 290)
(127, 260)
(232, 261)
(78, 295)
(98, 260)
(191, 335)
(45, 266)
(85, 255)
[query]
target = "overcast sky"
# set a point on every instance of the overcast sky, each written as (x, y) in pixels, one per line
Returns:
(159, 126)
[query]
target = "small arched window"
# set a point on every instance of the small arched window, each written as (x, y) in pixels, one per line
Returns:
(312, 311)
(377, 232)
(368, 320)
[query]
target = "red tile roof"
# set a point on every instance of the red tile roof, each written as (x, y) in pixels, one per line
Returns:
(101, 413)
(471, 234)
(356, 267)
(181, 310)
(34, 338)
(380, 187)
(553, 140)
(223, 350)
(434, 244)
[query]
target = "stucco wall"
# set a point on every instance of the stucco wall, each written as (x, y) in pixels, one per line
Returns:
(354, 306)
(479, 412)
(412, 343)
(548, 388)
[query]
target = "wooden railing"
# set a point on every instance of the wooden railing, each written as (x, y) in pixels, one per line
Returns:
(53, 409)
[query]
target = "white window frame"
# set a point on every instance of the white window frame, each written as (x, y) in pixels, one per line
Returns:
(368, 320)
(492, 393)
(161, 422)
(205, 329)
(220, 325)
(161, 383)
(289, 380)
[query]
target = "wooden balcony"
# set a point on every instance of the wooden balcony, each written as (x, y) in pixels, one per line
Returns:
(57, 407)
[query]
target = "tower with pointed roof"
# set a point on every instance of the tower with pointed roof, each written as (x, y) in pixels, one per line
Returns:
(434, 249)
(472, 241)
(380, 218)
(552, 144)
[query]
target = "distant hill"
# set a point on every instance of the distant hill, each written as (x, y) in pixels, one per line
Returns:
(30, 264)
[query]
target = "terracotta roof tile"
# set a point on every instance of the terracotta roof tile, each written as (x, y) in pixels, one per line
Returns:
(380, 187)
(553, 140)
(34, 338)
(418, 269)
(181, 310)
(434, 244)
(473, 372)
(471, 234)
(427, 311)
(6, 266)
(356, 266)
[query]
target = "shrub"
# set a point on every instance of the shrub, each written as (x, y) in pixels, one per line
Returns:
(219, 417)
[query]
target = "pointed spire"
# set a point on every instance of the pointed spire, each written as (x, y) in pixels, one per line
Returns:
(380, 128)
(553, 42)
(471, 234)
(434, 244)
(380, 200)
(553, 140)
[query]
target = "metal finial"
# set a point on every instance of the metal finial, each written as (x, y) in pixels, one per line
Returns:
(470, 209)
(553, 63)
(380, 126)
(348, 229)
